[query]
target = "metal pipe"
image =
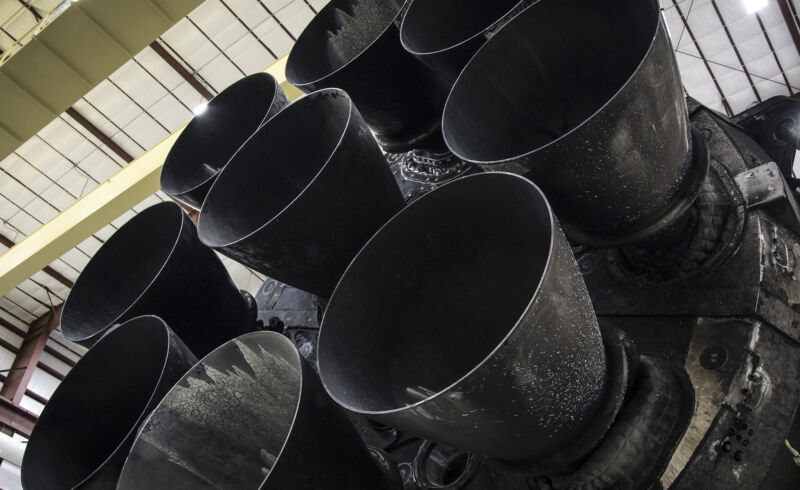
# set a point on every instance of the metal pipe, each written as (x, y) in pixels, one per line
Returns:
(156, 265)
(87, 428)
(584, 97)
(465, 321)
(213, 136)
(299, 210)
(445, 34)
(252, 414)
(355, 45)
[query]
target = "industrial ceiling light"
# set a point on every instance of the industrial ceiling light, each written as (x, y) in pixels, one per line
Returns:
(753, 6)
(200, 108)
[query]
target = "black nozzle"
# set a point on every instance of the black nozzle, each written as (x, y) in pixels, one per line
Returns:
(252, 414)
(585, 99)
(445, 34)
(355, 45)
(85, 431)
(156, 265)
(212, 137)
(302, 196)
(464, 320)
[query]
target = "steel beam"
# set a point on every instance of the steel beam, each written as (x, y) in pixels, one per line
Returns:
(107, 141)
(180, 69)
(27, 357)
(105, 203)
(47, 269)
(17, 418)
(28, 393)
(14, 350)
(44, 74)
(30, 8)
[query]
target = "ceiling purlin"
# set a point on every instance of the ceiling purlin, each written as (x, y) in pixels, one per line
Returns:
(774, 54)
(736, 50)
(789, 14)
(686, 26)
(108, 142)
(194, 73)
(190, 78)
(211, 41)
(113, 123)
(287, 31)
(30, 8)
(258, 40)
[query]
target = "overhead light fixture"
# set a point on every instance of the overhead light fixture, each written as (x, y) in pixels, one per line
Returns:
(753, 6)
(200, 108)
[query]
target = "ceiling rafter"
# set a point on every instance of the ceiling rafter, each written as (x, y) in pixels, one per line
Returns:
(733, 68)
(724, 99)
(137, 104)
(189, 77)
(247, 29)
(791, 22)
(7, 299)
(97, 133)
(116, 126)
(287, 31)
(9, 313)
(309, 6)
(736, 50)
(221, 51)
(193, 72)
(774, 54)
(169, 93)
(30, 8)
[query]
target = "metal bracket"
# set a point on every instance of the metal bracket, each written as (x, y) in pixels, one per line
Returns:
(764, 186)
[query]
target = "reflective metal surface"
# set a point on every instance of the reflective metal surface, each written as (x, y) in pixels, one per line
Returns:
(252, 414)
(464, 320)
(85, 431)
(155, 265)
(355, 45)
(445, 34)
(300, 198)
(584, 97)
(212, 137)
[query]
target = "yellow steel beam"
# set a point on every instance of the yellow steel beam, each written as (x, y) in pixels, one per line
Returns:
(105, 203)
(69, 53)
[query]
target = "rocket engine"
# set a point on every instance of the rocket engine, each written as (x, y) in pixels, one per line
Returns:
(506, 250)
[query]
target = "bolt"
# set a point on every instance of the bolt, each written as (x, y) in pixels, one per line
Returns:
(727, 446)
